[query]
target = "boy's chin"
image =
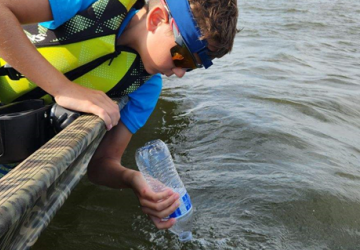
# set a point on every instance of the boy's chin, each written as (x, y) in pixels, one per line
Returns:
(150, 70)
(153, 71)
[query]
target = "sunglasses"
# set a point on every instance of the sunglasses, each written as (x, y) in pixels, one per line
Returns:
(180, 53)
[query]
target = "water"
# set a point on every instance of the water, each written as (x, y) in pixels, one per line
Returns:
(266, 142)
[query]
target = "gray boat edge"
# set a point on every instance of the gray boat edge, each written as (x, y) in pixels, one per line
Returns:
(32, 193)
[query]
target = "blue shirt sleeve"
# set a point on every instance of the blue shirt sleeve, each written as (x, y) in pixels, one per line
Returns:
(141, 104)
(63, 10)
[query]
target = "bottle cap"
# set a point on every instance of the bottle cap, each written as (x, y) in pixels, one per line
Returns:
(185, 236)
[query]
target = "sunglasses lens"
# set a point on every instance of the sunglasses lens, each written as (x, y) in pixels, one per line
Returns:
(182, 57)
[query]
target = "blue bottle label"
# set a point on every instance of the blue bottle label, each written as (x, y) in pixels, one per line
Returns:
(183, 209)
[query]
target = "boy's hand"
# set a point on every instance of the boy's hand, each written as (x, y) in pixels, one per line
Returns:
(79, 98)
(156, 205)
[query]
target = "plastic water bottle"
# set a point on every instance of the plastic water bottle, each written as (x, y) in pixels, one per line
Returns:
(155, 163)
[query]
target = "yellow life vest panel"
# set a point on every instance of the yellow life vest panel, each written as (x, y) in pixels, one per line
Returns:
(84, 49)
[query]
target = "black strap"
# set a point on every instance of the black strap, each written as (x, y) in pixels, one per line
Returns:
(12, 73)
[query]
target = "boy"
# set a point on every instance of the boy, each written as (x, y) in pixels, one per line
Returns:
(167, 37)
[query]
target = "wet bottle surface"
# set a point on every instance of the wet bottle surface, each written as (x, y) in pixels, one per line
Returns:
(155, 163)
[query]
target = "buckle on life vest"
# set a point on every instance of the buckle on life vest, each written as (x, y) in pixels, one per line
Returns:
(9, 71)
(24, 127)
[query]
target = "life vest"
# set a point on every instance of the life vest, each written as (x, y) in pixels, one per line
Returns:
(84, 49)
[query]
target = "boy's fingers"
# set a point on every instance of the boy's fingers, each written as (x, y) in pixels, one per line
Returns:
(102, 114)
(161, 205)
(162, 224)
(111, 108)
(163, 213)
(155, 197)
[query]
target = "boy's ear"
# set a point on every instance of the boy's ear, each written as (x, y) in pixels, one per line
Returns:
(156, 17)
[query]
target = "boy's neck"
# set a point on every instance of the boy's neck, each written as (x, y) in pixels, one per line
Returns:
(134, 32)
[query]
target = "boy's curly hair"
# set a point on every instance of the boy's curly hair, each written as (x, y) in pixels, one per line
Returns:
(217, 20)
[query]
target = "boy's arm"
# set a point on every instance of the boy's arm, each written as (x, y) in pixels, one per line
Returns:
(19, 52)
(105, 169)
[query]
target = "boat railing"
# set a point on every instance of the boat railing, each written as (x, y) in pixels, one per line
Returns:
(34, 191)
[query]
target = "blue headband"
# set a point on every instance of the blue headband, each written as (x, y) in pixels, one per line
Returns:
(181, 12)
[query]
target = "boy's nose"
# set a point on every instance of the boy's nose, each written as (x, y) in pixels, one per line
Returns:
(179, 72)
